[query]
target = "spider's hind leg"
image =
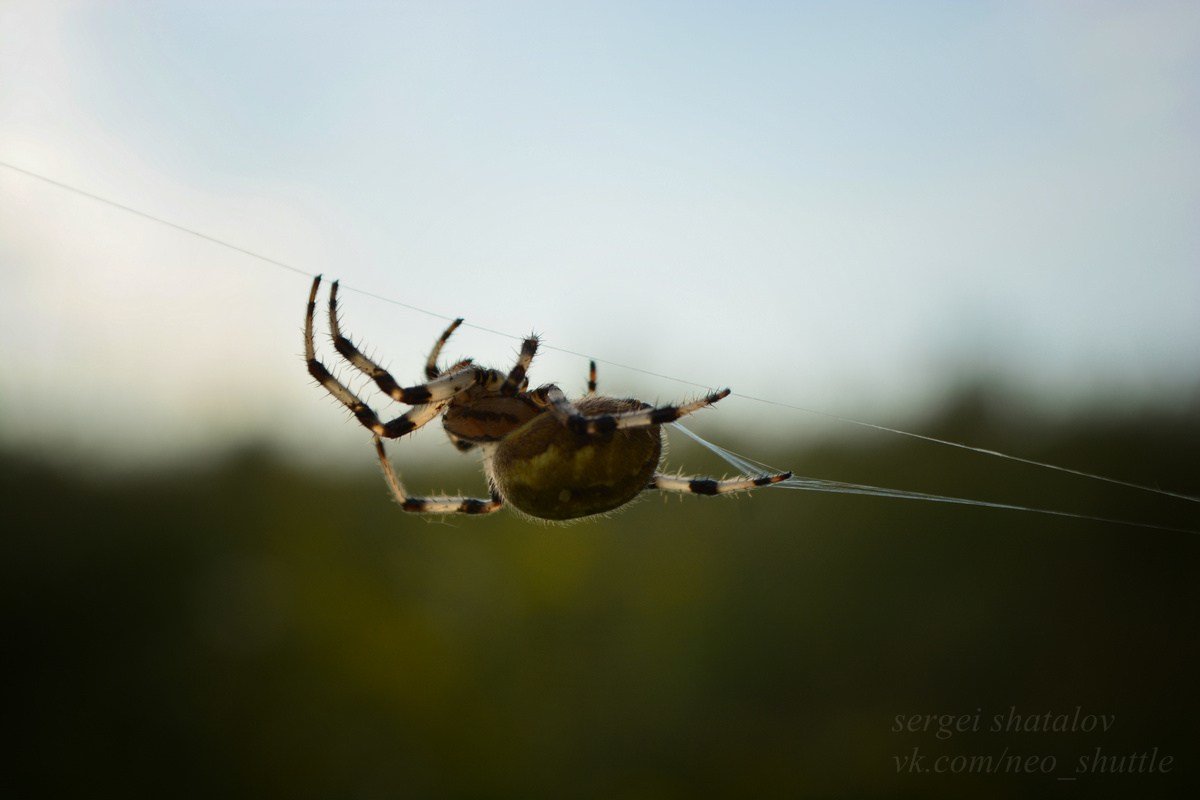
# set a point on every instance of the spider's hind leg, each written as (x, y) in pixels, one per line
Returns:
(437, 389)
(573, 418)
(393, 429)
(694, 485)
(432, 505)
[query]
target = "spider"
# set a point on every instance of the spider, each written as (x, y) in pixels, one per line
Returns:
(548, 457)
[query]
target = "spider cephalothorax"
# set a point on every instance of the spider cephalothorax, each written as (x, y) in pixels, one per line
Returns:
(546, 456)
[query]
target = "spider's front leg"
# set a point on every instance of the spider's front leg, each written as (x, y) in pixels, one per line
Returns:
(431, 367)
(393, 429)
(516, 380)
(432, 505)
(570, 416)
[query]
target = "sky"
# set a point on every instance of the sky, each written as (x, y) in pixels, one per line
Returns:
(849, 207)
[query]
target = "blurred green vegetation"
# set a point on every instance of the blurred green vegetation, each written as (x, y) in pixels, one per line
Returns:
(249, 629)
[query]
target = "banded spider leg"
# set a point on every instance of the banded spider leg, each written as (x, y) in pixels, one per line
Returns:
(570, 416)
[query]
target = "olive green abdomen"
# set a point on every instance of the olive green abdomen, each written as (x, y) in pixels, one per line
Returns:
(549, 472)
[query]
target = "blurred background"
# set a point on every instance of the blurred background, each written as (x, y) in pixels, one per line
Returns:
(975, 222)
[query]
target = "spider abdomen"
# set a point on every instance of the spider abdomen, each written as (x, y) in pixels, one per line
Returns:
(550, 472)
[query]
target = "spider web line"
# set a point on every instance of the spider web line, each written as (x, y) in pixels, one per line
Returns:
(753, 398)
(751, 467)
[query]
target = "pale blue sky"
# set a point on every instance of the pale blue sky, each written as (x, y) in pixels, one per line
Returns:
(839, 205)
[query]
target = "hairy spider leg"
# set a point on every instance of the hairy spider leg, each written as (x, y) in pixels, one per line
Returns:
(441, 388)
(393, 429)
(516, 377)
(432, 505)
(570, 416)
(431, 367)
(689, 484)
(433, 371)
